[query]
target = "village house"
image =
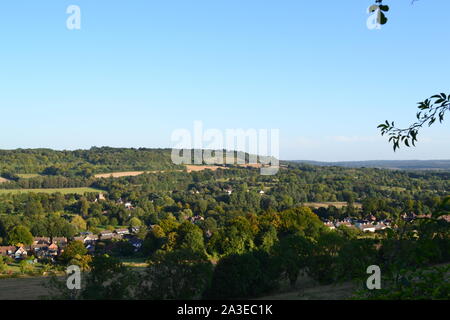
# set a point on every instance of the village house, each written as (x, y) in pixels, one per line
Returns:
(381, 226)
(135, 229)
(196, 218)
(38, 249)
(330, 225)
(122, 231)
(44, 250)
(344, 223)
(228, 190)
(90, 248)
(91, 238)
(87, 238)
(79, 238)
(136, 243)
(128, 205)
(366, 227)
(109, 235)
(60, 241)
(41, 240)
(106, 235)
(100, 197)
(53, 249)
(20, 253)
(7, 251)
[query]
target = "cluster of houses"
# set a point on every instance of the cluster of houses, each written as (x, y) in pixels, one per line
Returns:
(372, 225)
(42, 247)
(90, 240)
(46, 247)
(127, 205)
(369, 225)
(412, 216)
(229, 191)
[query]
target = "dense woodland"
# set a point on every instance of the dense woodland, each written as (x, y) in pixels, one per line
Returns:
(230, 233)
(82, 163)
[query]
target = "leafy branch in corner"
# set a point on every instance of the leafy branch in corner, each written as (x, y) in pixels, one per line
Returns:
(431, 110)
(378, 6)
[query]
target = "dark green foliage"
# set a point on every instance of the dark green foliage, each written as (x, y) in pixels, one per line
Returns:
(108, 279)
(19, 235)
(423, 284)
(242, 276)
(180, 274)
(291, 255)
(73, 249)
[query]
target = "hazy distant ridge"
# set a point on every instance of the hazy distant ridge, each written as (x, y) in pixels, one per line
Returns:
(385, 164)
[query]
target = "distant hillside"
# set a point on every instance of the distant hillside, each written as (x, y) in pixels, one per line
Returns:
(385, 164)
(82, 162)
(85, 163)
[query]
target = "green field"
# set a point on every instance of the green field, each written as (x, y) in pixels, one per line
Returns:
(396, 189)
(80, 191)
(23, 288)
(28, 175)
(338, 205)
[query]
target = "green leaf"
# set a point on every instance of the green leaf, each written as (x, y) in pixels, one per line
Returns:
(383, 19)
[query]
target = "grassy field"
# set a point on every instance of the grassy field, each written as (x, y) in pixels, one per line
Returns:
(130, 173)
(23, 288)
(119, 174)
(397, 189)
(80, 191)
(135, 262)
(339, 205)
(330, 292)
(196, 168)
(28, 175)
(3, 180)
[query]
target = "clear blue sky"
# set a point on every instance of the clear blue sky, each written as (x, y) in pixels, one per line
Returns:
(137, 70)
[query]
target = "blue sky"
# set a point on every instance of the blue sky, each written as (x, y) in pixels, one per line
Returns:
(138, 70)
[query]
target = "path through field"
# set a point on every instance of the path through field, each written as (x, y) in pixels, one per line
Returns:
(3, 180)
(23, 288)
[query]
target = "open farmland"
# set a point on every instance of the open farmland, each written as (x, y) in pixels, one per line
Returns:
(23, 288)
(119, 174)
(28, 175)
(3, 180)
(80, 191)
(130, 173)
(339, 205)
(195, 168)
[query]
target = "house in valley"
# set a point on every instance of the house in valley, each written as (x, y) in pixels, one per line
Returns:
(41, 240)
(39, 250)
(20, 253)
(122, 231)
(330, 225)
(60, 241)
(106, 235)
(366, 227)
(7, 251)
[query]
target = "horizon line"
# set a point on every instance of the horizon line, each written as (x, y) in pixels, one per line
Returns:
(168, 148)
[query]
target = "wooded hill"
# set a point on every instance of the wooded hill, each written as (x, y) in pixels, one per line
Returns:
(386, 164)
